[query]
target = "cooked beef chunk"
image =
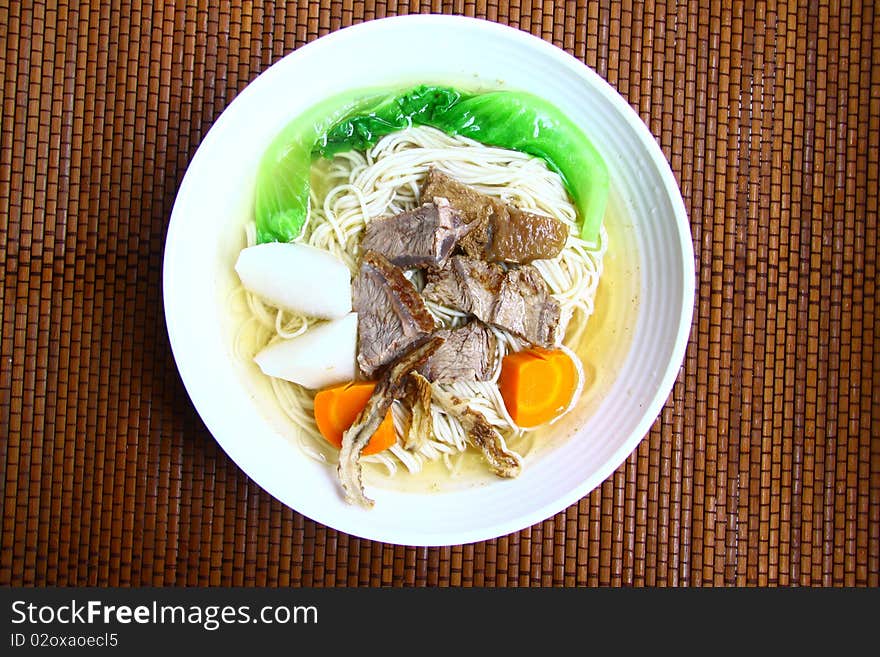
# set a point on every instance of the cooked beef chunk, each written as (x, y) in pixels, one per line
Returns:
(482, 435)
(391, 314)
(391, 386)
(498, 231)
(424, 237)
(517, 300)
(470, 353)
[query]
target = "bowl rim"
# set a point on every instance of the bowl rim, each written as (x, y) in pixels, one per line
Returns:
(671, 191)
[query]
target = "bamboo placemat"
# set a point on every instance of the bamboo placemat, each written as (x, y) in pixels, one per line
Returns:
(764, 466)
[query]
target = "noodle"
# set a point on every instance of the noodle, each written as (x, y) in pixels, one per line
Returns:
(385, 180)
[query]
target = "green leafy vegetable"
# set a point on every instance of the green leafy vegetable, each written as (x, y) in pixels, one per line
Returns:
(507, 119)
(423, 105)
(282, 188)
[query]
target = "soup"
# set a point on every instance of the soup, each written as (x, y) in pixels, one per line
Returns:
(437, 293)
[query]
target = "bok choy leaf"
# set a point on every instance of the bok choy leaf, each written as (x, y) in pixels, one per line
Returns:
(507, 119)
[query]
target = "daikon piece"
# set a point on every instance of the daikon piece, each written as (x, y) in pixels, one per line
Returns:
(297, 277)
(322, 356)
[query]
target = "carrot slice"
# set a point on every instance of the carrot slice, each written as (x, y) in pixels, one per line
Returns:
(537, 385)
(337, 408)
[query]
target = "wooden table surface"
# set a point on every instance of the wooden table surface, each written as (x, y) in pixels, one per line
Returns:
(763, 467)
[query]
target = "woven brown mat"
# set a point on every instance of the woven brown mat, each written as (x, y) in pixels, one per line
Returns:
(764, 466)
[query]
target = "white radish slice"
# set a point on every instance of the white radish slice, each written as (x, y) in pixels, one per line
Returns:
(297, 277)
(322, 356)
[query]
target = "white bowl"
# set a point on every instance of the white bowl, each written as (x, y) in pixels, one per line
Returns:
(644, 339)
